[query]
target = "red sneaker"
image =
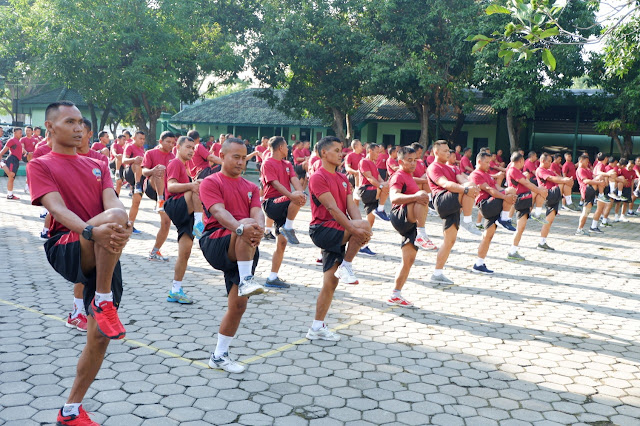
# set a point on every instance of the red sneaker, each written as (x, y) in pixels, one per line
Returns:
(12, 197)
(399, 301)
(426, 244)
(79, 322)
(82, 419)
(106, 316)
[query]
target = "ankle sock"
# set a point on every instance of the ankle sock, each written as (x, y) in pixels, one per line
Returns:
(272, 276)
(176, 286)
(244, 268)
(317, 325)
(288, 224)
(223, 345)
(71, 409)
(103, 297)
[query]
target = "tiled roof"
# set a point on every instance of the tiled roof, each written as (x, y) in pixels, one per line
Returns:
(241, 108)
(59, 94)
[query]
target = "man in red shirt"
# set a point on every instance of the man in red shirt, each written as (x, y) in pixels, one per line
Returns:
(280, 203)
(556, 185)
(603, 170)
(529, 169)
(500, 159)
(528, 195)
(154, 167)
(392, 164)
(12, 163)
(625, 171)
(494, 205)
(101, 145)
(589, 188)
(300, 160)
(203, 163)
(261, 149)
(89, 231)
(336, 227)
(448, 198)
(373, 191)
(466, 166)
(458, 153)
(37, 133)
(352, 165)
(115, 164)
(635, 190)
(132, 161)
(29, 144)
(408, 217)
(381, 161)
(183, 206)
(233, 230)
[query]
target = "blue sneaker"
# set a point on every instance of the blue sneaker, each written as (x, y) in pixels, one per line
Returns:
(136, 232)
(43, 215)
(277, 283)
(482, 269)
(382, 215)
(506, 224)
(198, 229)
(179, 297)
(366, 251)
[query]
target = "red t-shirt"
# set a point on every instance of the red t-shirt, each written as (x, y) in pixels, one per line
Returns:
(116, 149)
(435, 171)
(15, 148)
(346, 151)
(381, 161)
(238, 195)
(96, 156)
(29, 143)
(40, 143)
(498, 158)
(367, 165)
(458, 156)
(465, 163)
(637, 170)
(513, 177)
(557, 169)
(199, 160)
(177, 170)
(98, 146)
(306, 152)
(493, 165)
(543, 176)
(583, 173)
(529, 166)
(391, 162)
(455, 169)
(156, 156)
(280, 170)
(353, 160)
(322, 182)
(215, 149)
(600, 168)
(298, 153)
(479, 177)
(430, 159)
(403, 182)
(260, 149)
(629, 175)
(132, 150)
(420, 170)
(569, 169)
(314, 164)
(61, 173)
(41, 150)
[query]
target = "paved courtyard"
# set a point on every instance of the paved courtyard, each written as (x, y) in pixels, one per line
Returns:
(551, 341)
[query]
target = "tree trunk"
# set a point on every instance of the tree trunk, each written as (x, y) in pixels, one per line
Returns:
(457, 128)
(514, 142)
(338, 124)
(138, 116)
(94, 118)
(616, 138)
(113, 126)
(104, 117)
(628, 146)
(424, 123)
(349, 134)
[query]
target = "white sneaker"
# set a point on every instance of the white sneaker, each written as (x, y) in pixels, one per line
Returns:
(345, 275)
(624, 219)
(470, 228)
(323, 334)
(226, 363)
(249, 286)
(26, 189)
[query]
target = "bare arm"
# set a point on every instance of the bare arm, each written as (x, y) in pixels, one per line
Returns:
(373, 180)
(398, 197)
(214, 159)
(329, 203)
(533, 188)
(178, 188)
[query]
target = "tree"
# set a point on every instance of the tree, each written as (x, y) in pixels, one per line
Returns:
(418, 53)
(315, 51)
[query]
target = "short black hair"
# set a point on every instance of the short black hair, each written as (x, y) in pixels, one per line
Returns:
(464, 151)
(557, 155)
(193, 134)
(612, 159)
(87, 123)
(326, 142)
(126, 132)
(17, 129)
(229, 141)
(276, 141)
(516, 156)
(166, 134)
(416, 146)
(481, 156)
(601, 156)
(391, 149)
(183, 139)
(440, 142)
(623, 162)
(371, 147)
(102, 133)
(28, 127)
(140, 132)
(355, 142)
(54, 107)
(583, 156)
(405, 150)
(544, 155)
(531, 154)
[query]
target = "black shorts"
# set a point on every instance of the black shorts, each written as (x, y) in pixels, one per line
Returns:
(491, 208)
(369, 196)
(553, 200)
(120, 173)
(626, 192)
(383, 173)
(408, 230)
(352, 181)
(13, 163)
(300, 171)
(177, 210)
(523, 204)
(590, 195)
(130, 177)
(25, 159)
(328, 236)
(448, 207)
(276, 209)
(208, 171)
(149, 191)
(215, 247)
(63, 253)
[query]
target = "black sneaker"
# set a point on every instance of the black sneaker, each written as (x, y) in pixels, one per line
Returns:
(596, 230)
(545, 247)
(482, 269)
(277, 283)
(268, 236)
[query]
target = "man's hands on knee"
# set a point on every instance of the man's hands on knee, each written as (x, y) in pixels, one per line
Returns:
(112, 236)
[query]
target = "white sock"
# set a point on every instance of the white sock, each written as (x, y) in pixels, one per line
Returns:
(605, 220)
(396, 293)
(317, 325)
(44, 211)
(479, 223)
(244, 267)
(479, 262)
(612, 186)
(223, 345)
(288, 224)
(594, 224)
(504, 215)
(567, 198)
(103, 297)
(422, 232)
(513, 249)
(9, 193)
(272, 276)
(78, 307)
(616, 217)
(45, 229)
(380, 208)
(543, 240)
(176, 286)
(71, 409)
(268, 230)
(538, 211)
(466, 219)
(437, 272)
(619, 192)
(197, 216)
(346, 264)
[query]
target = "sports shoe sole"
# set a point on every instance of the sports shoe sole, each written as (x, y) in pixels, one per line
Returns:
(475, 271)
(398, 304)
(74, 326)
(322, 338)
(255, 292)
(216, 367)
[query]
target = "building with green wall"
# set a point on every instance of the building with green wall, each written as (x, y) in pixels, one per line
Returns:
(35, 106)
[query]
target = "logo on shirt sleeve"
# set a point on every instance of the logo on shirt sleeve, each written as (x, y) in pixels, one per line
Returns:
(98, 174)
(344, 185)
(250, 195)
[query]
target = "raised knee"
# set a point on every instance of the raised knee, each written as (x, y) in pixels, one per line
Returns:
(118, 216)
